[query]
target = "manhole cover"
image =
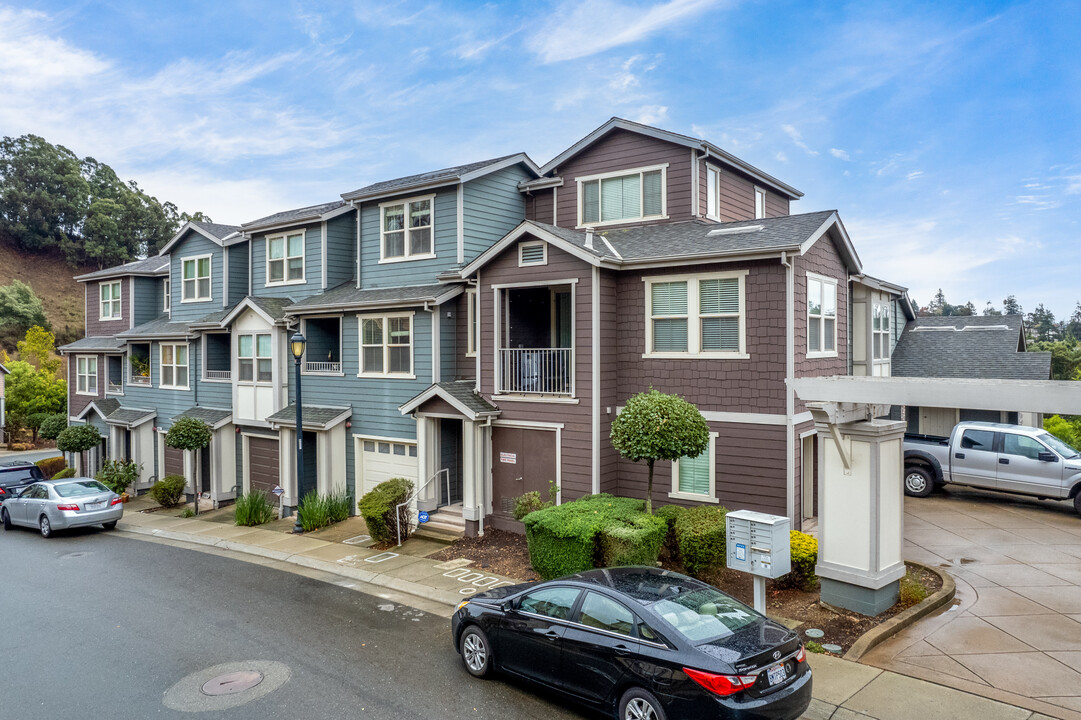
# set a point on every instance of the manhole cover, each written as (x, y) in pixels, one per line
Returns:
(233, 682)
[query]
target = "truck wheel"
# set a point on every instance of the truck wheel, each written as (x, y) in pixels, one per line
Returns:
(1076, 503)
(918, 482)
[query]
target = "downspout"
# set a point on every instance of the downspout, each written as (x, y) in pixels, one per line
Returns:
(789, 393)
(476, 330)
(595, 371)
(357, 262)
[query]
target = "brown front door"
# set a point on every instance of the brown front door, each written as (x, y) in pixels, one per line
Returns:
(174, 461)
(263, 471)
(523, 460)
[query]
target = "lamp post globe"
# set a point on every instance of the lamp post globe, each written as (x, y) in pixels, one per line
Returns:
(296, 346)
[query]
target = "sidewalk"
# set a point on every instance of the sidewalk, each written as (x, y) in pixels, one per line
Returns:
(843, 690)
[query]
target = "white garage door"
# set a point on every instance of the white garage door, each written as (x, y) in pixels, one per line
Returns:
(384, 459)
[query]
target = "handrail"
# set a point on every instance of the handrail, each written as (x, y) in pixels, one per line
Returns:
(411, 498)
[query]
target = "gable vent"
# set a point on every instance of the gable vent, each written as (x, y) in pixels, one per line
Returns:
(535, 253)
(735, 231)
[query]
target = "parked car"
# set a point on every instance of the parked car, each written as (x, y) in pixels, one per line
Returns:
(637, 642)
(16, 475)
(52, 505)
(994, 456)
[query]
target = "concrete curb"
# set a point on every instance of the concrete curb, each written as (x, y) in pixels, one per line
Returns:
(896, 624)
(443, 597)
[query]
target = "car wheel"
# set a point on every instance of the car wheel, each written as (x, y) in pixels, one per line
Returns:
(111, 525)
(476, 651)
(46, 526)
(5, 519)
(918, 482)
(639, 704)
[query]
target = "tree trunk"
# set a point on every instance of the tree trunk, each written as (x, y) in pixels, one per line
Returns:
(649, 490)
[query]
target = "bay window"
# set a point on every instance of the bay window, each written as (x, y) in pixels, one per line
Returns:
(821, 316)
(405, 229)
(255, 358)
(622, 197)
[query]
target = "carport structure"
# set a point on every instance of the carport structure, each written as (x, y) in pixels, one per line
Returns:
(860, 469)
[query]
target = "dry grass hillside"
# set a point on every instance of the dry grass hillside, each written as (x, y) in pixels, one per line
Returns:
(51, 279)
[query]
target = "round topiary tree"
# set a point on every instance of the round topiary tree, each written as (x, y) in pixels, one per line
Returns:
(52, 426)
(78, 439)
(189, 433)
(655, 426)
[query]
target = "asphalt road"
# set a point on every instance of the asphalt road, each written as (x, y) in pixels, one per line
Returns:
(98, 625)
(28, 456)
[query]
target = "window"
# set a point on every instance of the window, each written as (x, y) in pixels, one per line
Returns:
(406, 229)
(174, 366)
(603, 613)
(110, 300)
(622, 197)
(551, 602)
(713, 190)
(471, 322)
(880, 331)
(1022, 445)
(386, 345)
(978, 440)
(86, 370)
(532, 253)
(821, 316)
(759, 203)
(285, 259)
(697, 316)
(255, 358)
(705, 614)
(695, 478)
(166, 303)
(196, 277)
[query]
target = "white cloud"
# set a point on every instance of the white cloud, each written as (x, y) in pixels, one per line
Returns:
(33, 60)
(781, 157)
(797, 139)
(580, 28)
(914, 174)
(839, 154)
(650, 114)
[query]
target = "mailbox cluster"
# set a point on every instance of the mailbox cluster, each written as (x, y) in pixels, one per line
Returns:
(758, 543)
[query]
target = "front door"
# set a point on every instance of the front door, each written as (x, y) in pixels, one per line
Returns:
(308, 482)
(975, 462)
(263, 469)
(450, 458)
(1021, 470)
(523, 460)
(937, 421)
(204, 470)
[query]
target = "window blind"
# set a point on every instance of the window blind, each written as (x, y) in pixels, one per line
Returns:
(694, 474)
(651, 194)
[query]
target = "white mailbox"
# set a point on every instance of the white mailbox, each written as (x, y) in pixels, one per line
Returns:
(758, 543)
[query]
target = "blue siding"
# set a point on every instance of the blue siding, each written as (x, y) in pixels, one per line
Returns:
(193, 245)
(312, 271)
(148, 299)
(341, 249)
(238, 272)
(167, 403)
(413, 272)
(492, 207)
(448, 340)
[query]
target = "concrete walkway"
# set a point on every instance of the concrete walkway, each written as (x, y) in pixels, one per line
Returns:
(1014, 633)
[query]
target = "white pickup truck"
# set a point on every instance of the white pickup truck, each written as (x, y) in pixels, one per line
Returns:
(994, 456)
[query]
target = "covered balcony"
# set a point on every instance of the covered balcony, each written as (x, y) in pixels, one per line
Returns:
(323, 354)
(218, 363)
(536, 341)
(139, 364)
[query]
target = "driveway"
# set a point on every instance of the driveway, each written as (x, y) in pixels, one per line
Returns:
(1014, 631)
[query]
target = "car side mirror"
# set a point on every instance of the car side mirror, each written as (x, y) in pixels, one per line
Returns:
(1047, 457)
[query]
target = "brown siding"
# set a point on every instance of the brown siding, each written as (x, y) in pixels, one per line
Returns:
(737, 196)
(465, 366)
(776, 205)
(821, 259)
(539, 206)
(438, 405)
(609, 383)
(98, 328)
(77, 403)
(623, 150)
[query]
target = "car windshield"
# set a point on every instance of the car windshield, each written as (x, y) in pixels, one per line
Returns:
(1058, 446)
(79, 488)
(705, 614)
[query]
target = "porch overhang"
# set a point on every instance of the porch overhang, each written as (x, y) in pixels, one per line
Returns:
(314, 418)
(459, 395)
(103, 407)
(130, 417)
(216, 418)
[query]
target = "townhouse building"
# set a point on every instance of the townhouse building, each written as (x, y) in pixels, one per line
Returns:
(477, 329)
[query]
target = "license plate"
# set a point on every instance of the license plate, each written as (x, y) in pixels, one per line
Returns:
(776, 675)
(100, 505)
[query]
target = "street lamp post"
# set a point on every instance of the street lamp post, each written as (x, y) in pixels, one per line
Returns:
(296, 344)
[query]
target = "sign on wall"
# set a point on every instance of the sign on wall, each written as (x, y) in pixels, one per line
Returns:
(509, 458)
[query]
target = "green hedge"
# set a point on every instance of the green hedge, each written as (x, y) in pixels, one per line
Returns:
(377, 509)
(51, 466)
(638, 542)
(168, 491)
(669, 513)
(700, 536)
(65, 473)
(804, 552)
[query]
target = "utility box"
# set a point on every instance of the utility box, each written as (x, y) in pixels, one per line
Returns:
(758, 543)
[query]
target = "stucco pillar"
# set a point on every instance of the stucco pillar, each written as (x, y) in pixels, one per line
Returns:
(427, 462)
(860, 512)
(472, 510)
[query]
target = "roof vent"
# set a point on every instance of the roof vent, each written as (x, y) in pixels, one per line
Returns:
(735, 231)
(985, 327)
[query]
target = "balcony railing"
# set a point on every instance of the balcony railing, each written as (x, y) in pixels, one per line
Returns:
(535, 371)
(139, 380)
(323, 367)
(114, 388)
(218, 374)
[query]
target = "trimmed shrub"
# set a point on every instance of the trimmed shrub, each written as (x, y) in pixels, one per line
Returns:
(253, 508)
(51, 466)
(804, 550)
(119, 475)
(669, 513)
(700, 535)
(168, 491)
(377, 509)
(637, 542)
(65, 473)
(52, 426)
(527, 503)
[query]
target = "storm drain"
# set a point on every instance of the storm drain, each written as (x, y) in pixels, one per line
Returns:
(225, 686)
(231, 683)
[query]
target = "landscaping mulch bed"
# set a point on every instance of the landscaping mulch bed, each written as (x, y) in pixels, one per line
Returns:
(506, 553)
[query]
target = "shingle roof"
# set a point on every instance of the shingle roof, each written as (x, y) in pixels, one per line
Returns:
(274, 307)
(216, 229)
(312, 212)
(156, 265)
(313, 415)
(428, 178)
(347, 295)
(128, 416)
(211, 416)
(465, 392)
(105, 406)
(161, 326)
(93, 344)
(982, 347)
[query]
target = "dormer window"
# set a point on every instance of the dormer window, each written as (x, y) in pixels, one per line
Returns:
(621, 197)
(195, 273)
(405, 229)
(110, 301)
(285, 259)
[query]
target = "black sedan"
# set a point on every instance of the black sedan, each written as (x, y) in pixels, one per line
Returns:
(639, 642)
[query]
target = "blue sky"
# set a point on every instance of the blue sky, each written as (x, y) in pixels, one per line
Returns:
(947, 134)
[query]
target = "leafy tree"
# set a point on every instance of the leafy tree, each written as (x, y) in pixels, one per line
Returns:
(52, 426)
(39, 349)
(31, 391)
(189, 433)
(1041, 323)
(1010, 306)
(1067, 429)
(655, 426)
(78, 439)
(42, 192)
(20, 310)
(990, 309)
(1073, 325)
(1065, 358)
(940, 306)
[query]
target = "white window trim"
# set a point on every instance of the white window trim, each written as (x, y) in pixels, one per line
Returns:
(623, 173)
(694, 319)
(887, 333)
(130, 372)
(87, 375)
(210, 277)
(284, 237)
(711, 497)
(167, 300)
(471, 322)
(715, 198)
(812, 354)
(385, 373)
(407, 257)
(341, 345)
(759, 192)
(255, 358)
(118, 302)
(532, 243)
(161, 366)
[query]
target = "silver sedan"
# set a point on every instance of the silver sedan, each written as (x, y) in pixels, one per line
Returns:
(52, 505)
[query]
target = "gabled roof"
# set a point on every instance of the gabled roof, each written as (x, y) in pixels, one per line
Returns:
(102, 406)
(214, 417)
(313, 417)
(272, 310)
(460, 394)
(93, 344)
(978, 346)
(708, 149)
(160, 327)
(312, 213)
(151, 266)
(215, 232)
(130, 417)
(348, 297)
(446, 176)
(899, 290)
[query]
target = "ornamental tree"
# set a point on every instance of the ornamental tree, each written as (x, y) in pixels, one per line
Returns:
(78, 439)
(188, 433)
(52, 426)
(655, 426)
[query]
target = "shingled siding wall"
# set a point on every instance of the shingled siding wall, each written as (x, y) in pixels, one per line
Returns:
(736, 195)
(538, 207)
(77, 403)
(96, 327)
(822, 259)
